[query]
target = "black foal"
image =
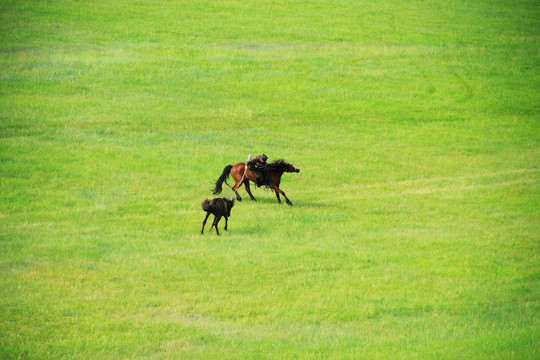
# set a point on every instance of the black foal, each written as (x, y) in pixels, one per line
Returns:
(219, 207)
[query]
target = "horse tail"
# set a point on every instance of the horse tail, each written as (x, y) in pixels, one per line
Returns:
(206, 205)
(223, 178)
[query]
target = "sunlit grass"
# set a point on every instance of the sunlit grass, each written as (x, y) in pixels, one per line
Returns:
(415, 227)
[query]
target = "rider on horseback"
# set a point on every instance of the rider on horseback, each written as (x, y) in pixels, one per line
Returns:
(257, 165)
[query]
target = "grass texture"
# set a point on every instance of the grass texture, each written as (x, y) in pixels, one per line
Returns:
(414, 233)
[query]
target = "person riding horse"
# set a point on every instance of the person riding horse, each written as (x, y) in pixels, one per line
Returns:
(258, 171)
(257, 165)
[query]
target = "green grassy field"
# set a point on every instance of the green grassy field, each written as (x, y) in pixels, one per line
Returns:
(415, 230)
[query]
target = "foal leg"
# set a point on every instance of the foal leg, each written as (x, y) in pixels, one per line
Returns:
(248, 189)
(279, 191)
(213, 222)
(204, 222)
(216, 221)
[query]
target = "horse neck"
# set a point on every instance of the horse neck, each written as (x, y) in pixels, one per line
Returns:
(276, 175)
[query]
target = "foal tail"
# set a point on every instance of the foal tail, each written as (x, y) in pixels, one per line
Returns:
(223, 178)
(206, 205)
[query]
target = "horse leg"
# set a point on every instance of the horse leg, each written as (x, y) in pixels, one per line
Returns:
(235, 189)
(248, 189)
(279, 191)
(204, 222)
(278, 199)
(226, 222)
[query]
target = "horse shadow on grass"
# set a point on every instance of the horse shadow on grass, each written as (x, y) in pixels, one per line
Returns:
(267, 196)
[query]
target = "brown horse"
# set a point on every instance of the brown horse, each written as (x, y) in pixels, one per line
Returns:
(243, 175)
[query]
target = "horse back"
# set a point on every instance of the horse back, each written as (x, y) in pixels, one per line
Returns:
(240, 170)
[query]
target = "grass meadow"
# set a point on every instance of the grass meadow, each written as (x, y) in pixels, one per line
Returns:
(415, 230)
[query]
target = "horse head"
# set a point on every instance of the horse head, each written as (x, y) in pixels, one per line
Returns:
(290, 168)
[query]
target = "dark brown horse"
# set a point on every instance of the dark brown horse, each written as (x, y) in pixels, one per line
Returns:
(243, 175)
(218, 207)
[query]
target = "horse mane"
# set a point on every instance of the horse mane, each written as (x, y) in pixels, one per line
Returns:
(277, 165)
(273, 166)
